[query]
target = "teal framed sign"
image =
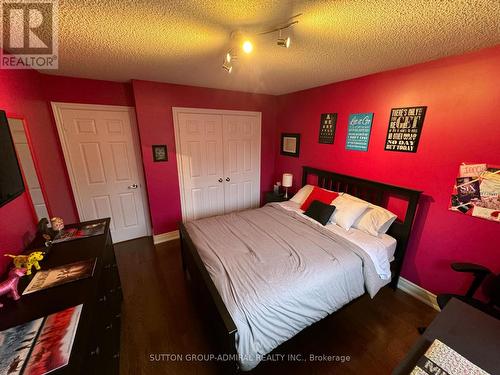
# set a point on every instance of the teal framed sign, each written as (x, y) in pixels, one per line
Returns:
(358, 132)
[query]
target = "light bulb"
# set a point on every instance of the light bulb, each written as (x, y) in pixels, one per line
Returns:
(247, 46)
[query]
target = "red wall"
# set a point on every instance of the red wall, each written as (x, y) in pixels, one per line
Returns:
(19, 94)
(462, 95)
(154, 102)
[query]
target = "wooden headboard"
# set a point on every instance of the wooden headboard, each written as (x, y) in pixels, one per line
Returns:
(377, 193)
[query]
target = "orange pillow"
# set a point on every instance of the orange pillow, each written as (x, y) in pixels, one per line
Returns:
(318, 194)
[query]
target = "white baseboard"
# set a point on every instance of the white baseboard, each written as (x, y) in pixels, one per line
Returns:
(164, 237)
(418, 292)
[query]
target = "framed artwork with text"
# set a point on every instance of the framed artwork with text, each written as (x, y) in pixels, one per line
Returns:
(405, 127)
(327, 125)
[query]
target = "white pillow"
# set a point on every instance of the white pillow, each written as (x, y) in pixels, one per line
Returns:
(375, 220)
(347, 211)
(302, 194)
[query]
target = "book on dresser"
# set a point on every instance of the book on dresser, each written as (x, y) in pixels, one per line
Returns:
(440, 359)
(94, 344)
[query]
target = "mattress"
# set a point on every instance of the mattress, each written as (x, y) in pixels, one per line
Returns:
(277, 273)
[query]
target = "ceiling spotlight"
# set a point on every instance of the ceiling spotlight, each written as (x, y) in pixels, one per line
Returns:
(284, 42)
(228, 68)
(247, 46)
(230, 56)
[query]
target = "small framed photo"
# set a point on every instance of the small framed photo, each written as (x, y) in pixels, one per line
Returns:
(290, 144)
(160, 153)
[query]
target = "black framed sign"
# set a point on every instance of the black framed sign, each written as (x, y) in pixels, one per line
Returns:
(327, 126)
(290, 144)
(405, 126)
(160, 153)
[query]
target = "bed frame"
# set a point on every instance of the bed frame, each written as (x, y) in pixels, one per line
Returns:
(375, 192)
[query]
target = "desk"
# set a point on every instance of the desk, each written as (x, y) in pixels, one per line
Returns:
(470, 332)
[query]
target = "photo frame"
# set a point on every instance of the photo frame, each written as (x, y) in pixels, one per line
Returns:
(290, 144)
(160, 153)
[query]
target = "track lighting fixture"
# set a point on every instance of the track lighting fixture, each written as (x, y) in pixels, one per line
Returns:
(247, 45)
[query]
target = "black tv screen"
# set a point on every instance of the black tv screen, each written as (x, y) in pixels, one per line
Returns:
(11, 180)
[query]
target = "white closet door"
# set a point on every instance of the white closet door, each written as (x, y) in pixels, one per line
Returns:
(218, 154)
(202, 164)
(241, 162)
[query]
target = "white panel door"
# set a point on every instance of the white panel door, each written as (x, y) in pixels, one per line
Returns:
(102, 153)
(241, 162)
(201, 164)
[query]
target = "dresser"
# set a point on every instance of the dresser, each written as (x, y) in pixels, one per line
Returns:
(96, 347)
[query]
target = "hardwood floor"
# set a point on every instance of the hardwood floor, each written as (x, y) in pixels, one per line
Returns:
(160, 322)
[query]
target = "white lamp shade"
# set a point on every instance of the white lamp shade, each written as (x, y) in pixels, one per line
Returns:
(287, 180)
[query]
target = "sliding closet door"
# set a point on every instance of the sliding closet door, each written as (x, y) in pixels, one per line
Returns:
(241, 162)
(200, 150)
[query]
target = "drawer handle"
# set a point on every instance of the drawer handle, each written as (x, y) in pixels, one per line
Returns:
(118, 316)
(102, 299)
(95, 352)
(109, 326)
(116, 355)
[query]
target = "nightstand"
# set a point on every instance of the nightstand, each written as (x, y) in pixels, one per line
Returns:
(270, 196)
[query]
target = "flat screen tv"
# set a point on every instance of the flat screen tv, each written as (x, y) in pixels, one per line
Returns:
(11, 180)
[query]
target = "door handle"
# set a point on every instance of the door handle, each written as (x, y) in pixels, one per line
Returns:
(220, 179)
(228, 179)
(133, 186)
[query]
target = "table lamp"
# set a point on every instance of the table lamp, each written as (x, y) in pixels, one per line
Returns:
(287, 182)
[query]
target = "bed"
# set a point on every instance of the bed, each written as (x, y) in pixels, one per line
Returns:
(266, 274)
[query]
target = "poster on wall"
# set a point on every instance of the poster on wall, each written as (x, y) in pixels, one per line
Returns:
(405, 126)
(358, 131)
(327, 128)
(476, 191)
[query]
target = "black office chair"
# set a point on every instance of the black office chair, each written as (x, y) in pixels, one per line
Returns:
(491, 289)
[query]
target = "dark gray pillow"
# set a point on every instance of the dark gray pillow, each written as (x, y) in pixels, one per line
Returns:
(320, 212)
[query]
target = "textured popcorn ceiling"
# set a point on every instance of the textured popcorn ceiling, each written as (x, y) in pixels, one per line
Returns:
(183, 41)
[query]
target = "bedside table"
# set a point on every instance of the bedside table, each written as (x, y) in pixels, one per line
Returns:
(269, 197)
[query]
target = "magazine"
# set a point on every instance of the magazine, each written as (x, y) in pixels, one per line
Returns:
(61, 275)
(84, 231)
(40, 346)
(441, 359)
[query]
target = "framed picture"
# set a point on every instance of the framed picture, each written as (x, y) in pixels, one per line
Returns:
(290, 144)
(405, 126)
(160, 153)
(328, 122)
